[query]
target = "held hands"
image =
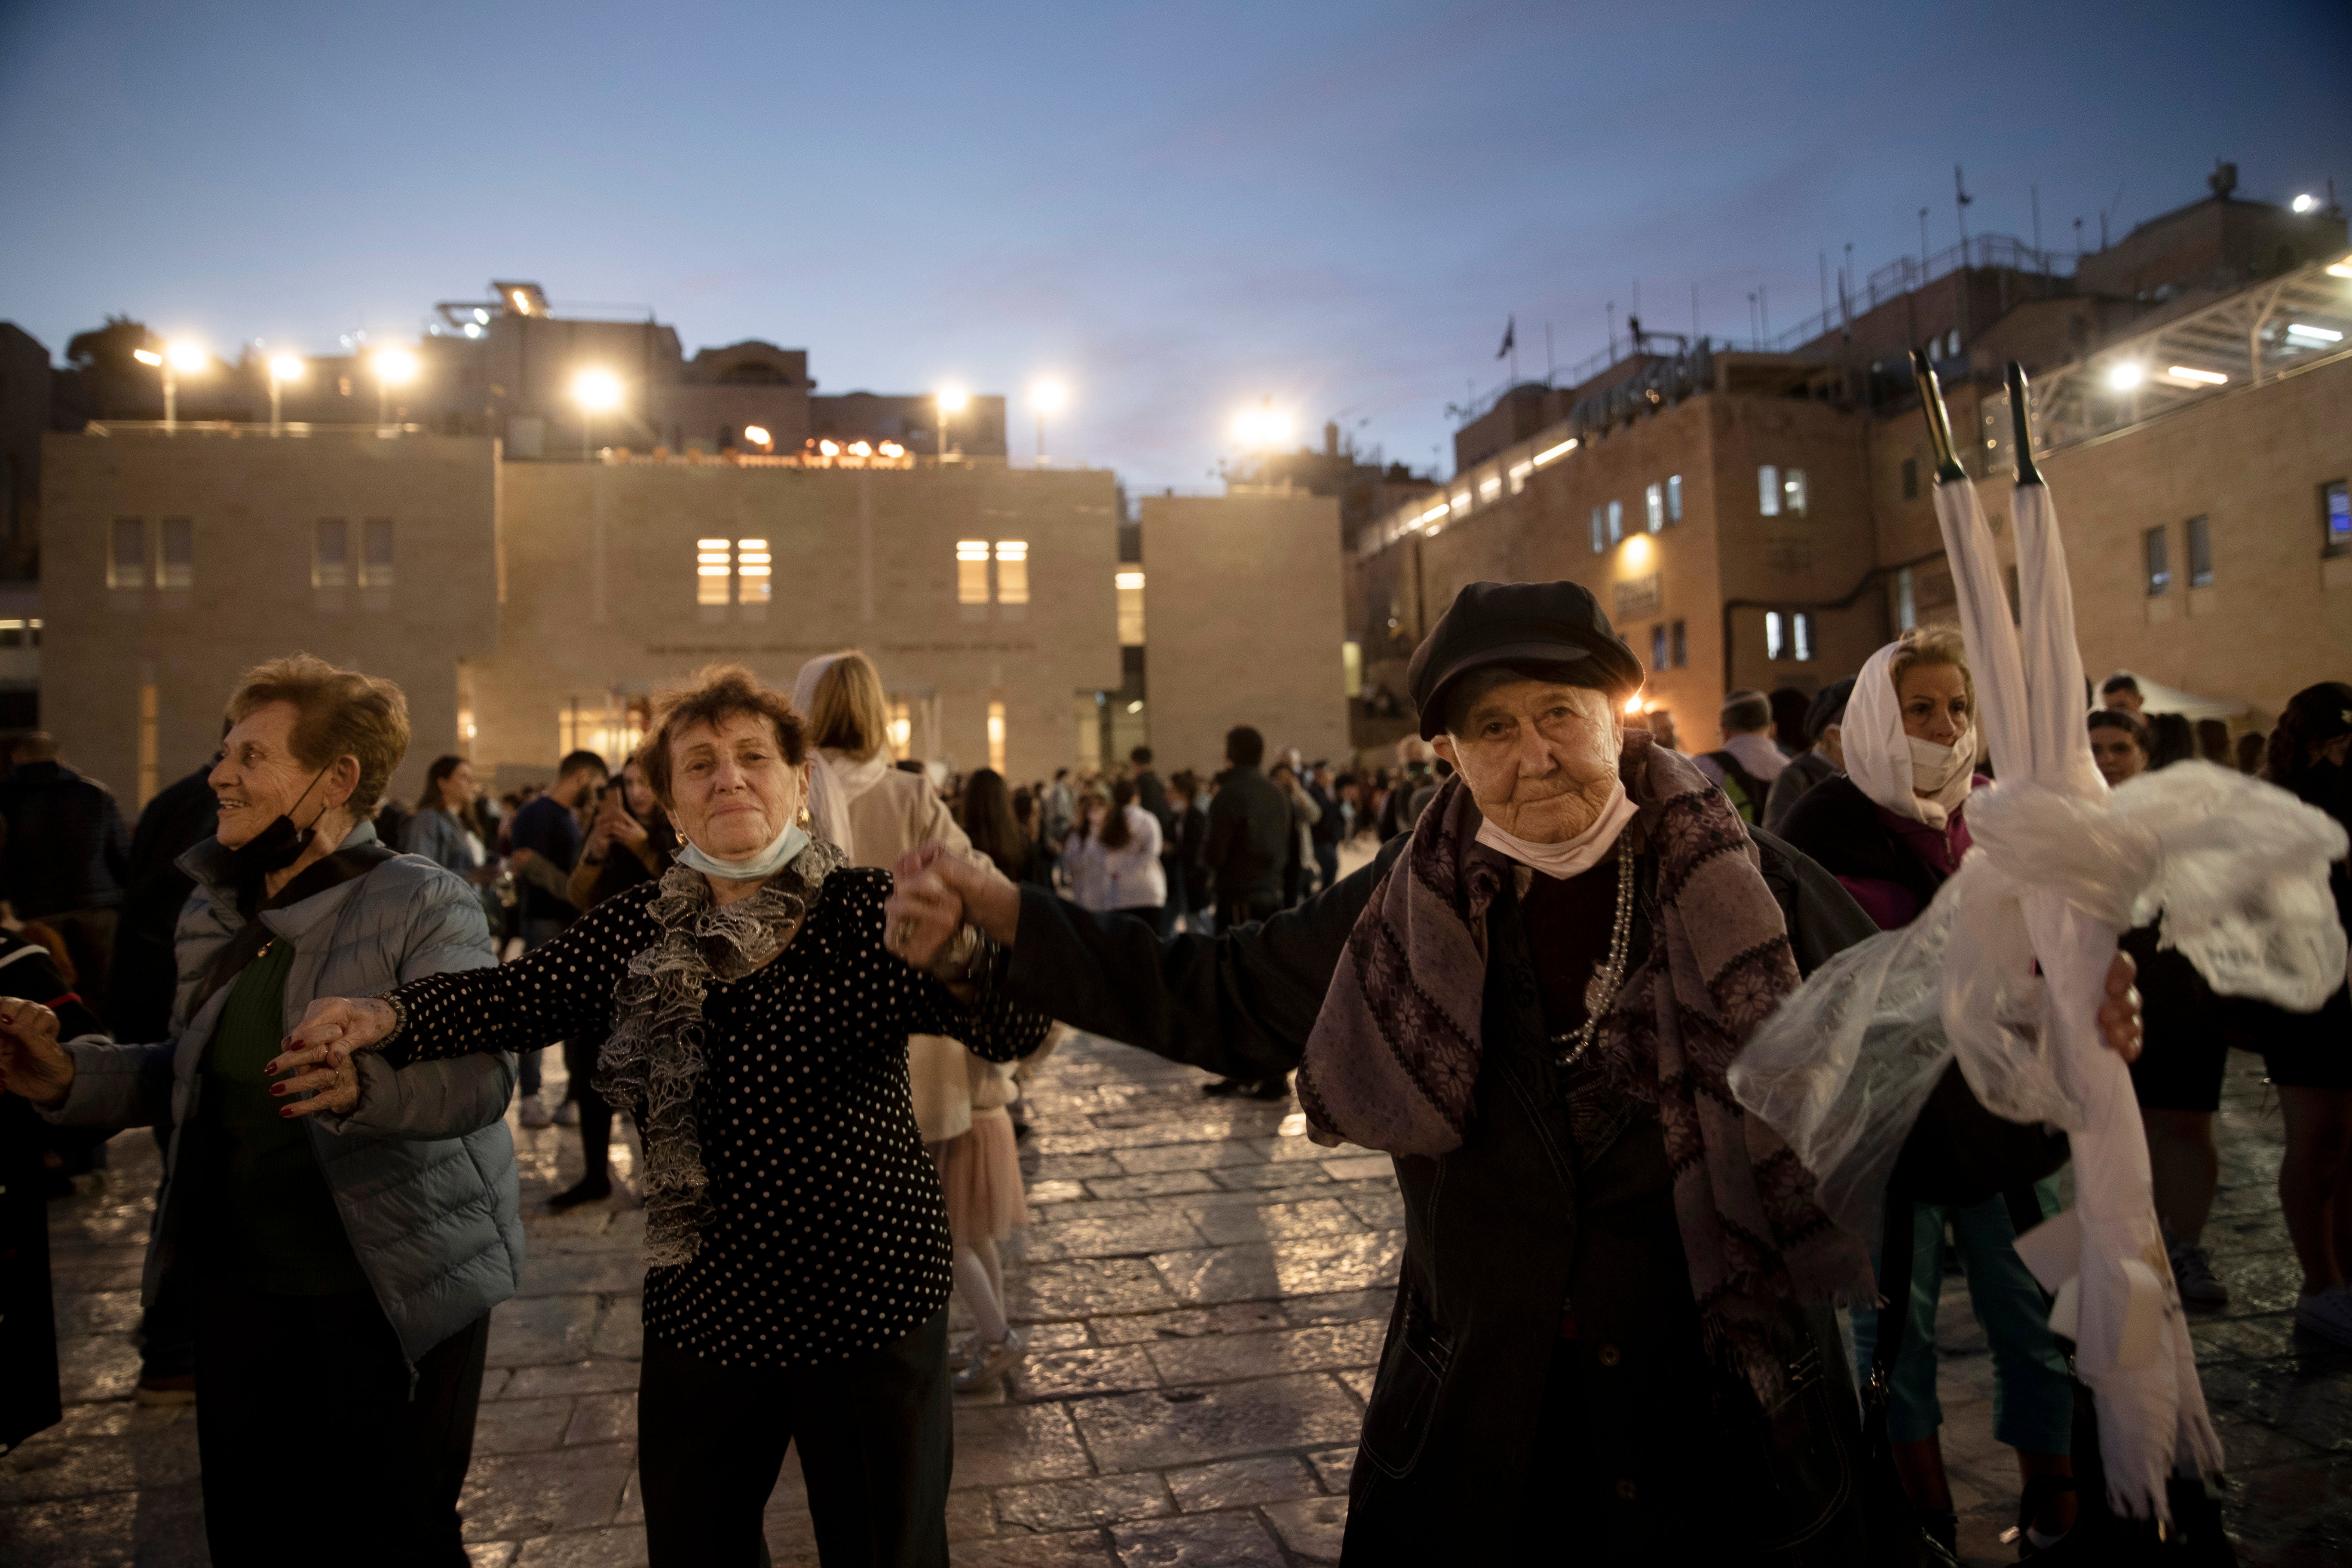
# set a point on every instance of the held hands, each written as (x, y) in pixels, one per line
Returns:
(938, 894)
(318, 1053)
(2119, 1019)
(32, 1063)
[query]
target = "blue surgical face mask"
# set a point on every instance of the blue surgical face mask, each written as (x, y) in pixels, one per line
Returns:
(779, 854)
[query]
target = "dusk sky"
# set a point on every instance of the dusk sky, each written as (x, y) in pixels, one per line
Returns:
(1180, 210)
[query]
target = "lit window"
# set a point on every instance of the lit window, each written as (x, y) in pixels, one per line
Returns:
(1131, 608)
(1801, 627)
(713, 568)
(902, 729)
(1012, 572)
(996, 736)
(2159, 562)
(753, 571)
(2335, 517)
(1768, 490)
(1673, 500)
(1519, 477)
(331, 555)
(375, 552)
(1600, 529)
(1351, 668)
(176, 554)
(1681, 647)
(1793, 488)
(971, 571)
(1616, 520)
(1488, 490)
(1655, 503)
(2200, 553)
(1772, 643)
(126, 557)
(1906, 604)
(1658, 647)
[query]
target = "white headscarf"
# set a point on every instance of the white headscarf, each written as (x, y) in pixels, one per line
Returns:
(1888, 765)
(835, 778)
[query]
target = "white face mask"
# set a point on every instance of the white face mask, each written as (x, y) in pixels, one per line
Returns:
(1934, 767)
(779, 854)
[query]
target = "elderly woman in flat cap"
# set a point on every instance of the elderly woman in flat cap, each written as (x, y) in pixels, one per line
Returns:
(1613, 1339)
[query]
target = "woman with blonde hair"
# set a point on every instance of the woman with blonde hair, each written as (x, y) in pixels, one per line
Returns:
(874, 813)
(1892, 828)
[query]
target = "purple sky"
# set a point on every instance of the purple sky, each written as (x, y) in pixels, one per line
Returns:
(1178, 209)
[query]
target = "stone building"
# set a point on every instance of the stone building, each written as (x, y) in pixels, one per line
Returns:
(531, 607)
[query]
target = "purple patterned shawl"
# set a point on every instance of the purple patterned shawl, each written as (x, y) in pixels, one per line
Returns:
(1393, 1059)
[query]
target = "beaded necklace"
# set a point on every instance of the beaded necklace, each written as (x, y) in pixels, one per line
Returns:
(1601, 991)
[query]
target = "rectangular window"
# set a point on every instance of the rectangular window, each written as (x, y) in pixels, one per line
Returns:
(1655, 503)
(126, 555)
(2336, 518)
(1600, 529)
(1012, 572)
(331, 555)
(1792, 491)
(754, 572)
(902, 729)
(2200, 553)
(1681, 649)
(1658, 647)
(971, 571)
(176, 554)
(1616, 520)
(1910, 479)
(1129, 584)
(1801, 626)
(713, 570)
(2159, 562)
(1673, 500)
(1768, 490)
(1906, 602)
(996, 736)
(375, 552)
(1773, 646)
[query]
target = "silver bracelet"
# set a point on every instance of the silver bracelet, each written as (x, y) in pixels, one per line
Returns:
(399, 1016)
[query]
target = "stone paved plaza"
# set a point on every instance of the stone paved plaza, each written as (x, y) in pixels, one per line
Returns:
(1205, 1291)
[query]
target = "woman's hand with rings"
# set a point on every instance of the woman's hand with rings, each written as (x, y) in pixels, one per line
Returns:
(318, 1053)
(32, 1063)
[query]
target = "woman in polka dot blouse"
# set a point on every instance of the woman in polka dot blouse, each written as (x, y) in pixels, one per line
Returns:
(799, 1264)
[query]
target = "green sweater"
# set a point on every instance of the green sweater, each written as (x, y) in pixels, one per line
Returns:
(270, 1213)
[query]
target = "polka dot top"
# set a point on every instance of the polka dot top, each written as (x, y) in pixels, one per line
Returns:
(828, 1234)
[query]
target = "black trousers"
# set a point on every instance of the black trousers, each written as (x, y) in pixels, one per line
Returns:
(595, 1112)
(876, 1447)
(301, 1398)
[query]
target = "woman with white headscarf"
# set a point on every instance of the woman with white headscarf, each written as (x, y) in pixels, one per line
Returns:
(1891, 829)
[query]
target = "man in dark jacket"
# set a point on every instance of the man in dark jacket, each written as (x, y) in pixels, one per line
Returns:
(548, 830)
(1556, 1385)
(1250, 845)
(67, 857)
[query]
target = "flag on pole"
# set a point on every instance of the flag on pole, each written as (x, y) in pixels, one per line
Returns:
(1510, 336)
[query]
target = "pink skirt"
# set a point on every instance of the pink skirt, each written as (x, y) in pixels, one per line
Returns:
(981, 1171)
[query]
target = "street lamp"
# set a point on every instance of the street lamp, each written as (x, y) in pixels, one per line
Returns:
(951, 400)
(758, 436)
(596, 392)
(1046, 397)
(1263, 428)
(393, 367)
(283, 368)
(174, 357)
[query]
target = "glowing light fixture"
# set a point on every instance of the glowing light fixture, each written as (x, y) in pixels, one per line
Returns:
(892, 450)
(860, 449)
(1432, 515)
(2123, 377)
(395, 367)
(187, 356)
(1561, 450)
(1049, 397)
(596, 390)
(2341, 270)
(2306, 203)
(829, 449)
(2199, 377)
(1128, 580)
(146, 356)
(1265, 427)
(951, 399)
(285, 367)
(1637, 551)
(1634, 703)
(756, 433)
(2314, 334)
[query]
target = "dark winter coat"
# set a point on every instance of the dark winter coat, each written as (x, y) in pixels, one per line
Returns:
(66, 847)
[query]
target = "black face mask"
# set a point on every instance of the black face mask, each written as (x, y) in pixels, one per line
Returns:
(281, 843)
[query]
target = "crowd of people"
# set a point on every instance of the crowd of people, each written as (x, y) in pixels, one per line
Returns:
(813, 977)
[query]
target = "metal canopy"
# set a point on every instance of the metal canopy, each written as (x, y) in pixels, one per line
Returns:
(2275, 328)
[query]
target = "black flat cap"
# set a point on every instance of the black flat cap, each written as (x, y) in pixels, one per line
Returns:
(1512, 623)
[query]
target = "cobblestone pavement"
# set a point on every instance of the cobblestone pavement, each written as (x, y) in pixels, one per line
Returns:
(1205, 1291)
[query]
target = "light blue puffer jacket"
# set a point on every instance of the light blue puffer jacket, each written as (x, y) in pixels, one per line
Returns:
(421, 1169)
